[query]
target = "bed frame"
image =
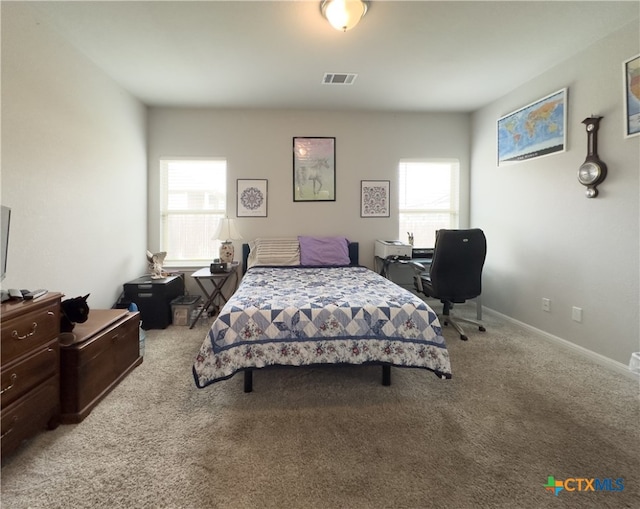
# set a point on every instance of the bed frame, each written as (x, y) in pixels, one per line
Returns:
(354, 255)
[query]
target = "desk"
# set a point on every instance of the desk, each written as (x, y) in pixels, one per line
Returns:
(218, 280)
(386, 264)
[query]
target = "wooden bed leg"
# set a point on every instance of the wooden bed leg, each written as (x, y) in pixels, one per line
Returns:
(386, 375)
(248, 380)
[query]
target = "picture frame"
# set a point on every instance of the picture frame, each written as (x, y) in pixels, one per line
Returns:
(374, 198)
(314, 169)
(631, 80)
(252, 198)
(535, 130)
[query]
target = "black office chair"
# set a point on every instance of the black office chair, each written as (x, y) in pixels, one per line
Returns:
(456, 272)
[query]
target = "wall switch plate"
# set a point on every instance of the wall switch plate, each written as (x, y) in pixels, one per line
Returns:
(546, 305)
(576, 314)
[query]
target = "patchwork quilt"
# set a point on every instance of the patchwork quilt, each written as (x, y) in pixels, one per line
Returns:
(296, 316)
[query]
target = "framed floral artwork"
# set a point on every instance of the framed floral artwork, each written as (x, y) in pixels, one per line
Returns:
(252, 198)
(374, 198)
(314, 169)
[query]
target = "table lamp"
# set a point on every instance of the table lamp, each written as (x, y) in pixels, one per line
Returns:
(226, 232)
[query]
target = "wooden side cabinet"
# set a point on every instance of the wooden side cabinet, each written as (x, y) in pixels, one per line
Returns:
(30, 369)
(106, 349)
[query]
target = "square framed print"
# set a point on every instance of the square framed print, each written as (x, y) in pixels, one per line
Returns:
(632, 97)
(535, 130)
(374, 198)
(252, 198)
(314, 169)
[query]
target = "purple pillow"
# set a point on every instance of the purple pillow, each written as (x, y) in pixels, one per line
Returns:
(324, 251)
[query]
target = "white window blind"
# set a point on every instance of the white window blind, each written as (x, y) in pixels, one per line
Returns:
(428, 198)
(193, 198)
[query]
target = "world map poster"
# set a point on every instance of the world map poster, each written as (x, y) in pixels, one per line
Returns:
(632, 96)
(538, 129)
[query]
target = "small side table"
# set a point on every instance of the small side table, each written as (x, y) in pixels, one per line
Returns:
(218, 280)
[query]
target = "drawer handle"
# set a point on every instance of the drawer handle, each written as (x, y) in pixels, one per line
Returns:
(15, 334)
(13, 381)
(13, 421)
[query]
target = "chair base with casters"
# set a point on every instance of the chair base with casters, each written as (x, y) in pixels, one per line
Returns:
(446, 318)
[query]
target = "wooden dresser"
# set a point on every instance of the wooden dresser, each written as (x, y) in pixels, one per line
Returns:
(30, 370)
(106, 350)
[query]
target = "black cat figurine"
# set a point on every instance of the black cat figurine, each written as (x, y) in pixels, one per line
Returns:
(73, 311)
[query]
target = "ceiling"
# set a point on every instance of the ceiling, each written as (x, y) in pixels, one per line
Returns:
(409, 55)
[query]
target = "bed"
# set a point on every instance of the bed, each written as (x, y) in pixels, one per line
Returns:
(306, 301)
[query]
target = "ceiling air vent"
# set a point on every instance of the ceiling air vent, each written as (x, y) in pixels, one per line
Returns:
(335, 78)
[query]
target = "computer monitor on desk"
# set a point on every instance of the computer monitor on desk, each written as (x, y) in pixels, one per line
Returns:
(422, 252)
(422, 255)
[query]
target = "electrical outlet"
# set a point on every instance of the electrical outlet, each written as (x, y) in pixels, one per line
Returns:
(576, 314)
(546, 305)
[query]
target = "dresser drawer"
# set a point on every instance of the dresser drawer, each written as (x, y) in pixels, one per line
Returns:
(36, 411)
(21, 376)
(22, 333)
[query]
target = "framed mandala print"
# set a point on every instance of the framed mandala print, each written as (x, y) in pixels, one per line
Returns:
(374, 198)
(252, 198)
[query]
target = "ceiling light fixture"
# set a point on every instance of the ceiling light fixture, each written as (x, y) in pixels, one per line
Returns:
(344, 14)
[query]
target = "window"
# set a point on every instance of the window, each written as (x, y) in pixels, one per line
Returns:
(193, 197)
(428, 198)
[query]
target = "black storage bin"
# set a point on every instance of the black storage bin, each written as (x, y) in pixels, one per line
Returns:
(153, 298)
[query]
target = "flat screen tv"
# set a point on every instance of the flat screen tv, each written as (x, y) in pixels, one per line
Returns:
(5, 213)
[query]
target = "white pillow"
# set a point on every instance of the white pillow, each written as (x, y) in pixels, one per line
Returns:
(274, 251)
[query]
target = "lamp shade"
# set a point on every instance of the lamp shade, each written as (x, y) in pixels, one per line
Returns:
(227, 230)
(343, 14)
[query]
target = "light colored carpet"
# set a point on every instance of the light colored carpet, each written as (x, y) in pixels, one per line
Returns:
(517, 410)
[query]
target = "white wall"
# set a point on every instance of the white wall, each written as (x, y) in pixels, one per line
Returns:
(258, 144)
(73, 167)
(545, 239)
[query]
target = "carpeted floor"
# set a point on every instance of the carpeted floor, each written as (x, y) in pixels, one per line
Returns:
(518, 410)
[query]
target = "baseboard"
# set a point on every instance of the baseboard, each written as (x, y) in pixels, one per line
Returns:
(596, 357)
